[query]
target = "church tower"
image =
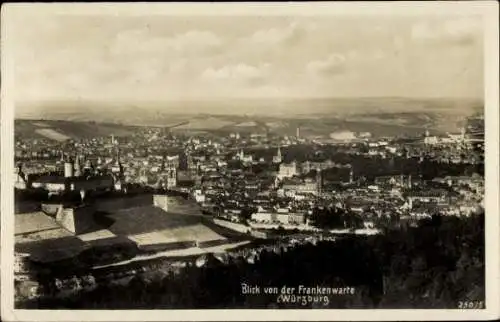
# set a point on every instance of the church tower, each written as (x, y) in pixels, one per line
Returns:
(68, 168)
(171, 177)
(78, 167)
(117, 168)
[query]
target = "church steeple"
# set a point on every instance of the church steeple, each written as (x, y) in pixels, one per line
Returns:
(117, 161)
(117, 167)
(278, 158)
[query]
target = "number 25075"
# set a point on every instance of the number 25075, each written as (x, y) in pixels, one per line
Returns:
(474, 305)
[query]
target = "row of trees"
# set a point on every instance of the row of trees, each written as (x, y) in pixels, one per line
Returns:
(335, 218)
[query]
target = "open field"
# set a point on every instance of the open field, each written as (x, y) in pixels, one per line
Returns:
(52, 134)
(63, 130)
(209, 123)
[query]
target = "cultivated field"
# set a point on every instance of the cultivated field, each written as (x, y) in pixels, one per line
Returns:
(52, 134)
(64, 130)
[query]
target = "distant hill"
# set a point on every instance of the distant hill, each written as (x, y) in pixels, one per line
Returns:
(319, 117)
(62, 130)
(159, 113)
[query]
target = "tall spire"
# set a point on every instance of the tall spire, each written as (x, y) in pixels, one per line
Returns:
(117, 162)
(278, 158)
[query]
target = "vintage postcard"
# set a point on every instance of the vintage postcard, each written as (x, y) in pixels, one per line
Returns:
(250, 161)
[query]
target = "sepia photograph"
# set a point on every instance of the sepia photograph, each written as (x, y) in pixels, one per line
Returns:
(302, 157)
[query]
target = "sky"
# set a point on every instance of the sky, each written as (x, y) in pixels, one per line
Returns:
(165, 58)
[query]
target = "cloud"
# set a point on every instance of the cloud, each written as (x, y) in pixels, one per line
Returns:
(93, 57)
(238, 72)
(452, 31)
(194, 39)
(276, 35)
(177, 66)
(143, 41)
(333, 64)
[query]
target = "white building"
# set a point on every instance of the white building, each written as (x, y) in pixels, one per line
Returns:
(288, 170)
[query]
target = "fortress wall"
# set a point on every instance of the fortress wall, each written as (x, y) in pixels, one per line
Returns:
(84, 218)
(231, 225)
(212, 243)
(76, 220)
(51, 209)
(167, 246)
(161, 201)
(66, 219)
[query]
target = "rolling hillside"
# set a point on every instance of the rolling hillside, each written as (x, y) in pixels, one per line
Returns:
(63, 130)
(395, 118)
